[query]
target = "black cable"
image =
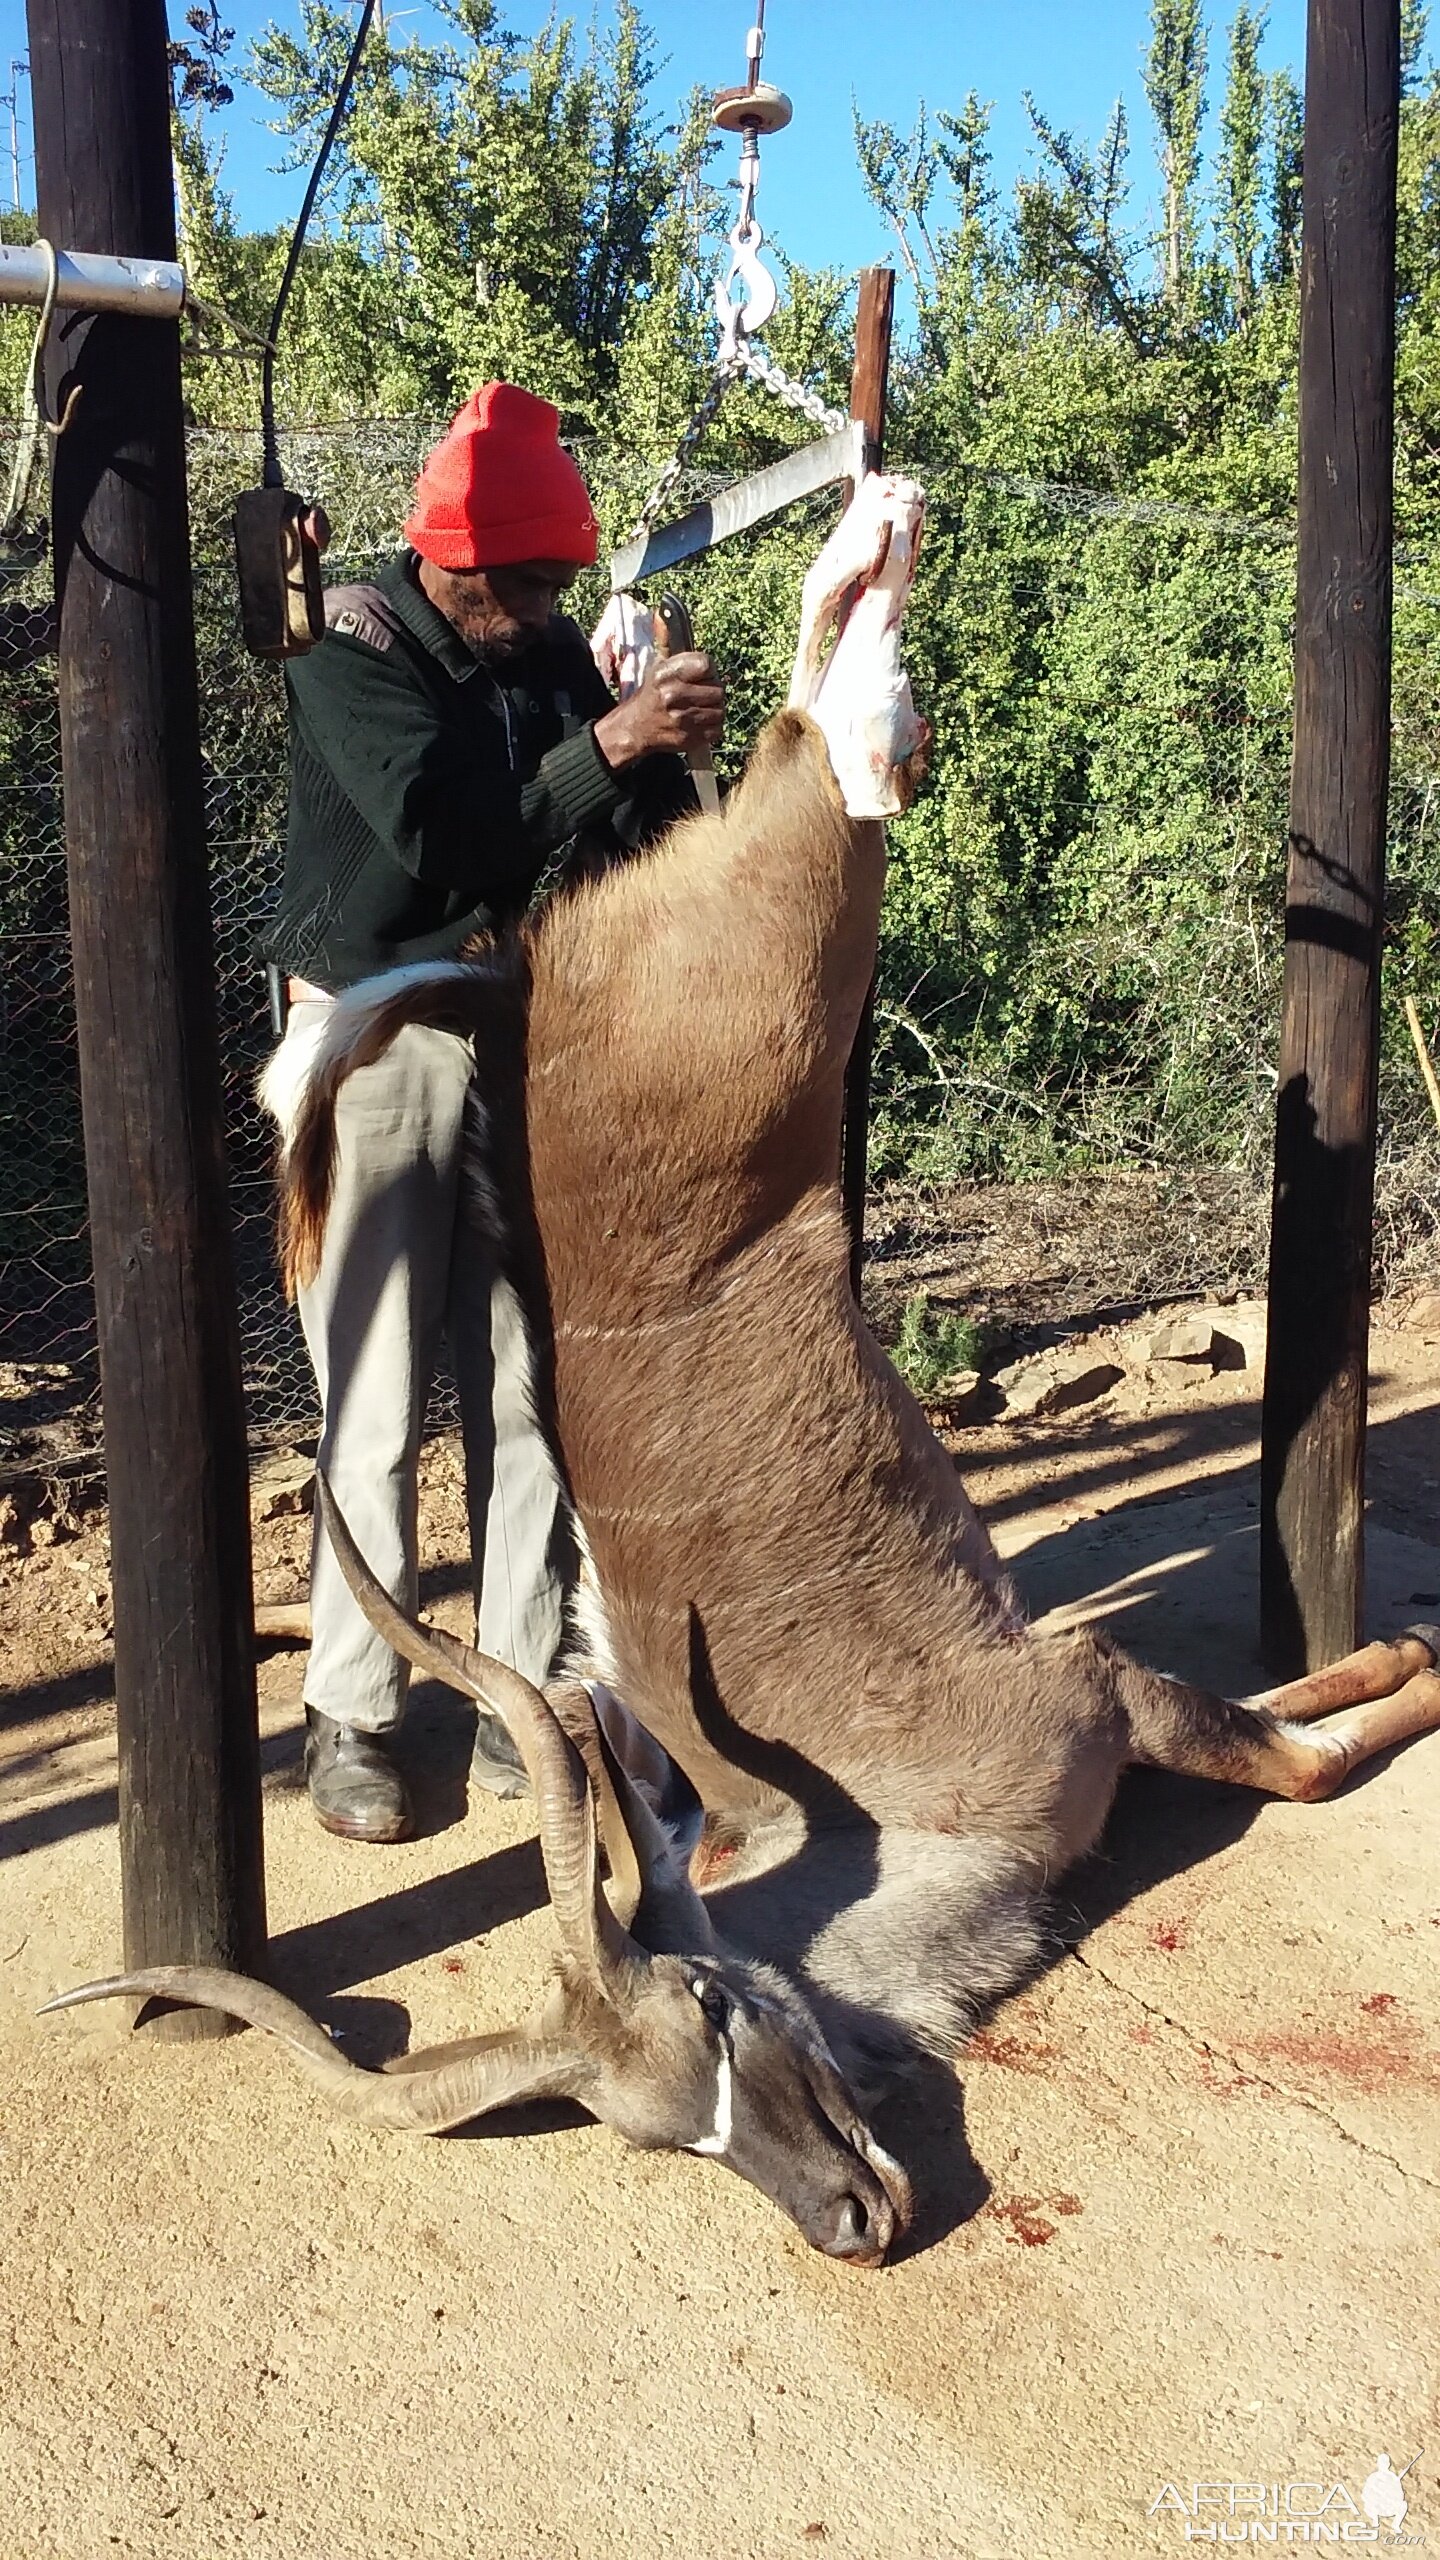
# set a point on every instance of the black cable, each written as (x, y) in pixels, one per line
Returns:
(273, 475)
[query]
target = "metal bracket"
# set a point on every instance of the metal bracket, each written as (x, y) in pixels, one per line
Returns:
(149, 288)
(840, 456)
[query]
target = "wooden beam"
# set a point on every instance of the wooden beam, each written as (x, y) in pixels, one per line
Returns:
(145, 1010)
(1313, 1457)
(869, 381)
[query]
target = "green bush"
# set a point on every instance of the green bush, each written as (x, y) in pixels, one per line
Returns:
(933, 1346)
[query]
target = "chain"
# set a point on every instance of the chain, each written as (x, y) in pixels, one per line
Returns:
(783, 386)
(772, 378)
(723, 376)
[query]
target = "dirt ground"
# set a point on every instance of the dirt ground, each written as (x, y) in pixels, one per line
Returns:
(1182, 2228)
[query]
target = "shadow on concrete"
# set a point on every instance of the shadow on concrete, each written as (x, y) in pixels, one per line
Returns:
(98, 1808)
(1175, 1578)
(1097, 1462)
(1159, 1826)
(43, 1824)
(924, 2127)
(322, 1957)
(1174, 1574)
(91, 1686)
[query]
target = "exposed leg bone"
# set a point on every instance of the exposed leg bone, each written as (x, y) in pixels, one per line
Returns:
(1188, 1730)
(1310, 1763)
(860, 696)
(1365, 1730)
(854, 554)
(1376, 1671)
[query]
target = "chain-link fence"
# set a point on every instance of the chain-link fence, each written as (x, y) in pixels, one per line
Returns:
(49, 1380)
(1081, 952)
(47, 1322)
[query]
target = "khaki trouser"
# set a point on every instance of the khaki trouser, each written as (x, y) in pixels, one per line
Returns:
(402, 1264)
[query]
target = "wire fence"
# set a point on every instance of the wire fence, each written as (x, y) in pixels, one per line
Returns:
(1091, 789)
(49, 1375)
(49, 1371)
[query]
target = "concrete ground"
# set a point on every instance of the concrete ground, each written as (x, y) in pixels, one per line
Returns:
(1185, 2232)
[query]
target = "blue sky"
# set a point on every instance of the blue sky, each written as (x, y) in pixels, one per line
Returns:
(1076, 60)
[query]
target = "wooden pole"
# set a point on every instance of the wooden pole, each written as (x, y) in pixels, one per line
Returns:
(869, 379)
(1313, 1435)
(175, 1456)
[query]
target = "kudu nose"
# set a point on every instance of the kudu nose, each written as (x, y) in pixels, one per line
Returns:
(857, 2231)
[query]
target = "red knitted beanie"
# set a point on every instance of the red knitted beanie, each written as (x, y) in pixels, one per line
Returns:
(499, 488)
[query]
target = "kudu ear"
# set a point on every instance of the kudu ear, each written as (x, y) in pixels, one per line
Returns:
(651, 1891)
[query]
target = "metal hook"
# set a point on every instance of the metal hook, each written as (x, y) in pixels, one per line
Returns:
(742, 320)
(55, 426)
(35, 414)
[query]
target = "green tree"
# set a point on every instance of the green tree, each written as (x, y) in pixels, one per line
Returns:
(1286, 118)
(1082, 934)
(504, 191)
(1069, 221)
(1241, 173)
(1175, 87)
(899, 174)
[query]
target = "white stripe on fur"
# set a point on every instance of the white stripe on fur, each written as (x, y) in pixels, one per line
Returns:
(330, 1030)
(714, 2144)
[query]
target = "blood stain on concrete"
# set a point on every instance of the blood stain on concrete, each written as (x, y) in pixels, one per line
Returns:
(1026, 2217)
(1223, 2078)
(1363, 2064)
(1010, 2053)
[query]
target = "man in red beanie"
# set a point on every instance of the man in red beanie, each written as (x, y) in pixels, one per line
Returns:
(451, 739)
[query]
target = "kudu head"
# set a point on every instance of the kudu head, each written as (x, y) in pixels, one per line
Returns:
(653, 2026)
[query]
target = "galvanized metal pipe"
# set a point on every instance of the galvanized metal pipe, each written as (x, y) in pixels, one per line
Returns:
(149, 288)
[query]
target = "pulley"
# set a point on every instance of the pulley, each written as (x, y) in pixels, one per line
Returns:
(756, 107)
(746, 294)
(767, 108)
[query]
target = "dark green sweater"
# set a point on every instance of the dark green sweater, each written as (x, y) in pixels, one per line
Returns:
(429, 793)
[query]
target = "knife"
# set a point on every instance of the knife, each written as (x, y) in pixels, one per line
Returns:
(673, 621)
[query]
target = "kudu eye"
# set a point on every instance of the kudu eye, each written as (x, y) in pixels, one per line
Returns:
(713, 2002)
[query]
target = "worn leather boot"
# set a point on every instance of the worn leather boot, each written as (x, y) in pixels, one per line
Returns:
(495, 1763)
(355, 1787)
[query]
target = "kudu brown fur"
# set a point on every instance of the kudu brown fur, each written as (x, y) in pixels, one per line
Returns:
(787, 1589)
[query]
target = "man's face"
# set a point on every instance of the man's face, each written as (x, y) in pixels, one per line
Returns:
(498, 612)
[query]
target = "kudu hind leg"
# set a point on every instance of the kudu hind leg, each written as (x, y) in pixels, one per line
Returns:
(1388, 1693)
(1376, 1671)
(1188, 1730)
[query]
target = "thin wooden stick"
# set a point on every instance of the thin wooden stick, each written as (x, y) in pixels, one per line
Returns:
(869, 379)
(283, 1622)
(1427, 1064)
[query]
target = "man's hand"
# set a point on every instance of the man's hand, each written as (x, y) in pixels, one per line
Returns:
(680, 707)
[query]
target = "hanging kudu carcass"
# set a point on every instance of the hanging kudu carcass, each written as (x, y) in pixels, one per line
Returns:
(833, 1768)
